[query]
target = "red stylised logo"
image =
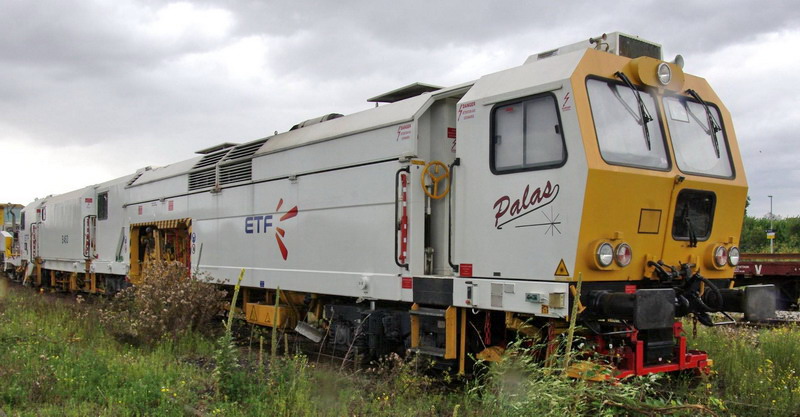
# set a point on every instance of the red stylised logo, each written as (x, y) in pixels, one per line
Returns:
(280, 233)
(507, 211)
(404, 131)
(565, 106)
(467, 110)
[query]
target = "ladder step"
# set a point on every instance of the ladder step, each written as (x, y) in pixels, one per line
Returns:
(430, 351)
(428, 312)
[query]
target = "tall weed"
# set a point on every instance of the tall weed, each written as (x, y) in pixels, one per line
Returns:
(168, 304)
(226, 355)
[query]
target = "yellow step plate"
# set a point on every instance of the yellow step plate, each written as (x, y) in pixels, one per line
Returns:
(266, 315)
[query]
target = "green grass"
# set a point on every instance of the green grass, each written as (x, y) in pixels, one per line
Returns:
(56, 359)
(755, 370)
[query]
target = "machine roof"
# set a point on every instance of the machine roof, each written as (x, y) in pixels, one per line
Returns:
(366, 120)
(215, 148)
(167, 171)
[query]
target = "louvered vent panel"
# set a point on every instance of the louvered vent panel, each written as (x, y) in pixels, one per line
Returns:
(211, 159)
(240, 171)
(135, 177)
(201, 179)
(245, 150)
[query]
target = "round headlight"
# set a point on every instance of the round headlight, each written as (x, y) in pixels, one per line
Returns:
(733, 256)
(664, 73)
(605, 254)
(623, 254)
(720, 256)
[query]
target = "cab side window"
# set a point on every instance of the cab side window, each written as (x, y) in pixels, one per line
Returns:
(527, 135)
(102, 206)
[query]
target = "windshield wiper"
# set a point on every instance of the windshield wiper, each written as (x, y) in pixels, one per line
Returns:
(644, 115)
(689, 227)
(712, 123)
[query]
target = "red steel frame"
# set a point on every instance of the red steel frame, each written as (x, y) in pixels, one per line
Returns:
(632, 362)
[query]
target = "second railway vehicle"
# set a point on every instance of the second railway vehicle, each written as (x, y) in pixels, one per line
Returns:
(447, 220)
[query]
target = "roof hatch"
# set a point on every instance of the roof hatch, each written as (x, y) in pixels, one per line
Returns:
(215, 148)
(402, 93)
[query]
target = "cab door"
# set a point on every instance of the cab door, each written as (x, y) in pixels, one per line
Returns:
(518, 198)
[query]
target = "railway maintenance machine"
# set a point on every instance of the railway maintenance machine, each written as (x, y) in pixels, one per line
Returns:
(450, 221)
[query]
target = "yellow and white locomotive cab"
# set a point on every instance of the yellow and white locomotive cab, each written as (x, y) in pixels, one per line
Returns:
(621, 170)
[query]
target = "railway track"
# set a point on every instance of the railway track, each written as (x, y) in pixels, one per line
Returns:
(783, 318)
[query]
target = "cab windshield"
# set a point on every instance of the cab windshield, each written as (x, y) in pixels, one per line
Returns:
(699, 147)
(626, 131)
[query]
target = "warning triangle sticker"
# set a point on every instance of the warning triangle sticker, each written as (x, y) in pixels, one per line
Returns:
(561, 271)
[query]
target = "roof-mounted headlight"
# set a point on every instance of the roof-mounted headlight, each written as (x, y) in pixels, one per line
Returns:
(605, 254)
(664, 73)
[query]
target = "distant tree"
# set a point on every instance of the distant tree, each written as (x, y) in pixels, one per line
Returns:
(754, 237)
(754, 233)
(788, 231)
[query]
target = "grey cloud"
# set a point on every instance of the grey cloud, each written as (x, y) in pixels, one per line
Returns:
(85, 38)
(85, 72)
(695, 26)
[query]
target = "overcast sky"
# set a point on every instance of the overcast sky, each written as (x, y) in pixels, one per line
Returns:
(93, 90)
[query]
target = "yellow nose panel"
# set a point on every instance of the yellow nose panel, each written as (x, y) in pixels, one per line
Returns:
(649, 221)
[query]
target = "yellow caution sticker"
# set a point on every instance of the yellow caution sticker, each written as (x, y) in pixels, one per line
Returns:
(561, 270)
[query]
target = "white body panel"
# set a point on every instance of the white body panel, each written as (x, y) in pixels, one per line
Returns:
(112, 233)
(322, 244)
(62, 237)
(531, 244)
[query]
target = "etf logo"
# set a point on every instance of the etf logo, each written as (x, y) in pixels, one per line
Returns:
(253, 224)
(261, 223)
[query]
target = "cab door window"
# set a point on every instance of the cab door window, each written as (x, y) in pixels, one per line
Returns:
(527, 135)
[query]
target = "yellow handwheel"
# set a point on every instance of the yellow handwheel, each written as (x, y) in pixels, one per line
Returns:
(437, 171)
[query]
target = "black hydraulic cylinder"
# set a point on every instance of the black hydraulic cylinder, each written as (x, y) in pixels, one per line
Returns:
(757, 302)
(613, 305)
(648, 309)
